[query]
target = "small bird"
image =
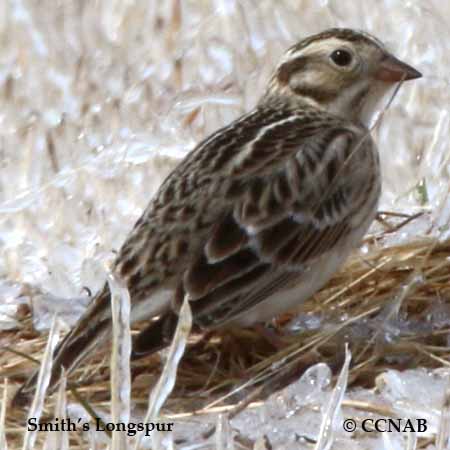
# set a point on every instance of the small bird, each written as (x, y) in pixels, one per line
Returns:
(258, 216)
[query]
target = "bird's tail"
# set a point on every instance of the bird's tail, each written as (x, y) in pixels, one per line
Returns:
(88, 333)
(91, 330)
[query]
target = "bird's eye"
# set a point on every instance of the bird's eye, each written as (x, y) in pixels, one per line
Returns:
(341, 58)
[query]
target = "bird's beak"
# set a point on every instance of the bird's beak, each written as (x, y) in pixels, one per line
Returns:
(392, 70)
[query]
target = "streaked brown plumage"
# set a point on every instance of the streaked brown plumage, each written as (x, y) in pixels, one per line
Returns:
(260, 214)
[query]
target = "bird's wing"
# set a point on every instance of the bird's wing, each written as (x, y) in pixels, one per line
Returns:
(289, 196)
(273, 190)
(224, 289)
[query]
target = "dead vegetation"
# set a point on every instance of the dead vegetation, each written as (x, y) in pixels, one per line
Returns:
(391, 304)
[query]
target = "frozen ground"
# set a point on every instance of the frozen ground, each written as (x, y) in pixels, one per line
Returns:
(100, 99)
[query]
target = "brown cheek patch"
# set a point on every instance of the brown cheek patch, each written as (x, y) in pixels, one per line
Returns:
(286, 70)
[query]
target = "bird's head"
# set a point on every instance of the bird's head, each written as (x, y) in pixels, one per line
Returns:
(343, 71)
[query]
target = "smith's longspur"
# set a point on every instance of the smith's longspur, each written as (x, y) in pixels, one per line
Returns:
(260, 214)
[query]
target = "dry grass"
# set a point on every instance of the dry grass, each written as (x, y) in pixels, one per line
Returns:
(381, 304)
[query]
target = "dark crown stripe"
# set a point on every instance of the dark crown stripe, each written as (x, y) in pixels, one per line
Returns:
(344, 34)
